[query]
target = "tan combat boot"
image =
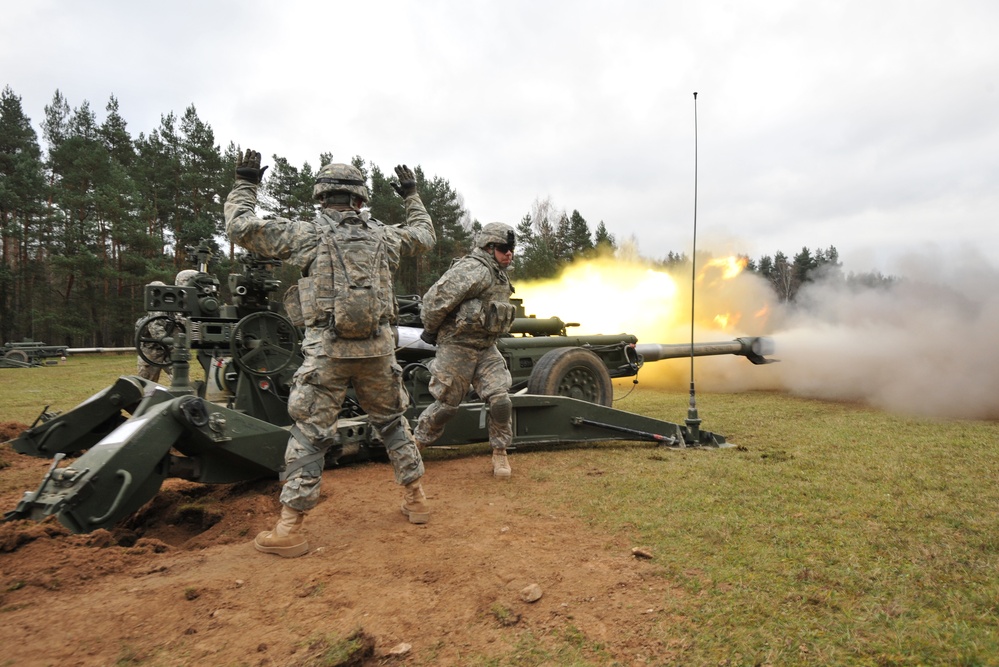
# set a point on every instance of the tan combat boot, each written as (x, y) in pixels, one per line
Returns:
(414, 503)
(287, 539)
(501, 466)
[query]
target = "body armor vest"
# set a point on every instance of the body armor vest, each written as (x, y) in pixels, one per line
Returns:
(489, 315)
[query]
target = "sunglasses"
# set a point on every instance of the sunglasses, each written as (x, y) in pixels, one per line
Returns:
(503, 247)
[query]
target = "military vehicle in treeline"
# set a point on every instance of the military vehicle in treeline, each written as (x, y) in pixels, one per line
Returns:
(128, 438)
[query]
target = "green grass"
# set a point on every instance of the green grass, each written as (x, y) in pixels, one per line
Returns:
(566, 648)
(332, 650)
(833, 534)
(25, 391)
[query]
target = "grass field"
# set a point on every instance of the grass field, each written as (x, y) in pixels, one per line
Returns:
(835, 534)
(832, 535)
(25, 391)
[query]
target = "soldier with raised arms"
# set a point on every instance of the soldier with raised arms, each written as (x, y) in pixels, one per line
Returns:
(346, 301)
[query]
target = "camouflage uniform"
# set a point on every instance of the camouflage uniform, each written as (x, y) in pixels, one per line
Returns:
(158, 329)
(332, 363)
(156, 353)
(469, 308)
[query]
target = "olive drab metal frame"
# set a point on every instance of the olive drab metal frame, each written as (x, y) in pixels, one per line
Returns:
(112, 452)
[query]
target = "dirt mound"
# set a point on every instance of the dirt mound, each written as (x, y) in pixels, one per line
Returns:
(179, 582)
(10, 430)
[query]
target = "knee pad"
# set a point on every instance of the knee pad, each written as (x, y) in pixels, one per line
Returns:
(396, 434)
(500, 408)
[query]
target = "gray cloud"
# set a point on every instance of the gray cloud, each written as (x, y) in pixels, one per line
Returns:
(869, 126)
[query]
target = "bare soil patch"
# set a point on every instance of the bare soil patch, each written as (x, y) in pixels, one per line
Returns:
(179, 583)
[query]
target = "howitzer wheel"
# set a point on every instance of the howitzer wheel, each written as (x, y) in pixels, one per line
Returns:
(572, 372)
(16, 355)
(222, 369)
(264, 343)
(154, 338)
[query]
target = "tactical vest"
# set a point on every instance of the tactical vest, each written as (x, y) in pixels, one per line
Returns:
(348, 286)
(490, 314)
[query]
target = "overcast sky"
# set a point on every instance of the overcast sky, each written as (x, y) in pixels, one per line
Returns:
(867, 125)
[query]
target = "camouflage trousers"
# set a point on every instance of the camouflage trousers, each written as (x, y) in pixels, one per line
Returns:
(149, 371)
(453, 370)
(318, 392)
(156, 329)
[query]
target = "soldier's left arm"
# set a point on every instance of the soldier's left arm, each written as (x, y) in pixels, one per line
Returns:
(417, 235)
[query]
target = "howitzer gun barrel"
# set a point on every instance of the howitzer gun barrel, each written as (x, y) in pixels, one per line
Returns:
(546, 329)
(533, 326)
(754, 348)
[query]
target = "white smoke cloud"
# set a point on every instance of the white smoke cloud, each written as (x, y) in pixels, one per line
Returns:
(922, 345)
(926, 345)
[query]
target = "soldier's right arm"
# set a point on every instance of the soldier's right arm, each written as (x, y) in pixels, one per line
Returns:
(279, 238)
(465, 280)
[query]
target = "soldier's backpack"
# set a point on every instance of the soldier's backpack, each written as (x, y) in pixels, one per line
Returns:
(358, 305)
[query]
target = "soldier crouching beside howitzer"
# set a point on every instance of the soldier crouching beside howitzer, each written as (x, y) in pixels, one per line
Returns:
(157, 329)
(156, 353)
(346, 302)
(464, 313)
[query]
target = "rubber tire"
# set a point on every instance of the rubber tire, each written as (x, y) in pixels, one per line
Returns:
(17, 355)
(572, 372)
(221, 372)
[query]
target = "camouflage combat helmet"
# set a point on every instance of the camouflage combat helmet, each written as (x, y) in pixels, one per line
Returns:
(340, 178)
(186, 278)
(495, 232)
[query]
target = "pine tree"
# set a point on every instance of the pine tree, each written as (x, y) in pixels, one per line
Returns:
(675, 262)
(22, 189)
(782, 277)
(535, 257)
(450, 218)
(525, 244)
(802, 268)
(385, 204)
(203, 181)
(82, 196)
(602, 239)
(117, 206)
(285, 194)
(230, 158)
(579, 240)
(158, 175)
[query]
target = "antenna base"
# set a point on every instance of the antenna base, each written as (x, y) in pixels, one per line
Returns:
(693, 424)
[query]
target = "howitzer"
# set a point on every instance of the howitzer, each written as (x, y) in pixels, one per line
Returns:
(250, 333)
(28, 353)
(135, 434)
(544, 359)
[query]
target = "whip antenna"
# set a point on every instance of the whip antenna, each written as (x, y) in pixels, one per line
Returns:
(693, 422)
